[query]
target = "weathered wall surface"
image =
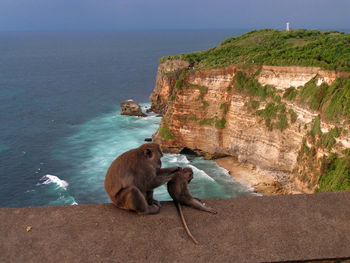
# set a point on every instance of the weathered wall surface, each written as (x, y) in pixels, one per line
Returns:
(268, 229)
(194, 115)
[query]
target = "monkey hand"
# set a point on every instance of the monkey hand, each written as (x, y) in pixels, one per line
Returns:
(209, 209)
(153, 209)
(176, 169)
(151, 201)
(157, 203)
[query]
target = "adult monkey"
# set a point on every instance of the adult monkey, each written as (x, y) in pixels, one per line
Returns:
(131, 178)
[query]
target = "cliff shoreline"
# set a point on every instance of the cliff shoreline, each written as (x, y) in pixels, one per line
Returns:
(212, 112)
(262, 182)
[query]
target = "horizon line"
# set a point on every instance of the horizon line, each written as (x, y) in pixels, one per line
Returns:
(346, 30)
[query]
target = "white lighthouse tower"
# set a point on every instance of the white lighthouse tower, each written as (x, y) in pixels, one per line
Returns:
(287, 27)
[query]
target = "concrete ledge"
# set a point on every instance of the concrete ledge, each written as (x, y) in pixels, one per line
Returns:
(253, 229)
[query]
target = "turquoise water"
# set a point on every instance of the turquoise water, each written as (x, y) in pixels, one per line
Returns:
(60, 126)
(96, 143)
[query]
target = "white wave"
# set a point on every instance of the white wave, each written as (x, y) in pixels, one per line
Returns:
(52, 179)
(177, 158)
(200, 173)
(74, 203)
(224, 171)
(150, 116)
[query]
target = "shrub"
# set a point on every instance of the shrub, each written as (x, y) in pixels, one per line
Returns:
(183, 118)
(337, 175)
(290, 93)
(225, 106)
(205, 105)
(165, 133)
(179, 81)
(293, 115)
(339, 99)
(327, 140)
(172, 97)
(193, 118)
(255, 104)
(203, 90)
(207, 121)
(282, 123)
(332, 101)
(220, 124)
(270, 111)
(316, 126)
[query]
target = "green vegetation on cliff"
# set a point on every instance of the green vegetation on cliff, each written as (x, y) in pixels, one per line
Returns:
(337, 174)
(329, 50)
(330, 171)
(165, 133)
(331, 101)
(274, 111)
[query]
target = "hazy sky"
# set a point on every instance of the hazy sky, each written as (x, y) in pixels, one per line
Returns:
(32, 15)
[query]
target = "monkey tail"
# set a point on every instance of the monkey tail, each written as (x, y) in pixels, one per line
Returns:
(184, 223)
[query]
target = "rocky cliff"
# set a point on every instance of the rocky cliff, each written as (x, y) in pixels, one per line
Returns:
(241, 112)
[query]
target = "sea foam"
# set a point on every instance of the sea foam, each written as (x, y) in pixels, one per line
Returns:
(176, 158)
(95, 144)
(52, 179)
(201, 174)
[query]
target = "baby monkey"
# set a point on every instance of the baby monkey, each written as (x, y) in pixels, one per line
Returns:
(178, 190)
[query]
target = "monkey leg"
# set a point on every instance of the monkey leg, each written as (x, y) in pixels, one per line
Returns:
(150, 200)
(131, 198)
(199, 205)
(198, 199)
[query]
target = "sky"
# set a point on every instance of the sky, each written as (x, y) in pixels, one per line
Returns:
(95, 15)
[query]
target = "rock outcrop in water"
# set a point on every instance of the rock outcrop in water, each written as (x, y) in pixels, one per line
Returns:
(131, 108)
(214, 112)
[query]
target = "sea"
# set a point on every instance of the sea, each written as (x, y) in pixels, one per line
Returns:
(60, 122)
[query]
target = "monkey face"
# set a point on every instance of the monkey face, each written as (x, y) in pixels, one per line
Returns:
(188, 173)
(153, 153)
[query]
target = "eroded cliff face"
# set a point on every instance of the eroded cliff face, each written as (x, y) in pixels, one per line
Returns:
(205, 113)
(285, 77)
(167, 74)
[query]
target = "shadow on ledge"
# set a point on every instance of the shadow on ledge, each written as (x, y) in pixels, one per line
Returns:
(253, 229)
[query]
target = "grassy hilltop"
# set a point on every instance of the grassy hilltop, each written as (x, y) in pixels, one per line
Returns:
(329, 50)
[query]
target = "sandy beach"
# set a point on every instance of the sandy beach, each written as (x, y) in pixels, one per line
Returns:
(262, 182)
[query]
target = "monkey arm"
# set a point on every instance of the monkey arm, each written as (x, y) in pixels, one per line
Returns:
(160, 180)
(163, 175)
(167, 171)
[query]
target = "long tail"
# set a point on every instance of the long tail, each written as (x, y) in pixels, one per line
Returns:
(184, 223)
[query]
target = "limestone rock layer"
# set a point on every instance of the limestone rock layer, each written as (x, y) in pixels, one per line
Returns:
(202, 111)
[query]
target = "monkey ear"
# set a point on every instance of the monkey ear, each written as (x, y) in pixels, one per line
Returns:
(147, 153)
(190, 177)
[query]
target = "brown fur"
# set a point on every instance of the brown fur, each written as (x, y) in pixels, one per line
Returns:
(131, 178)
(178, 190)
